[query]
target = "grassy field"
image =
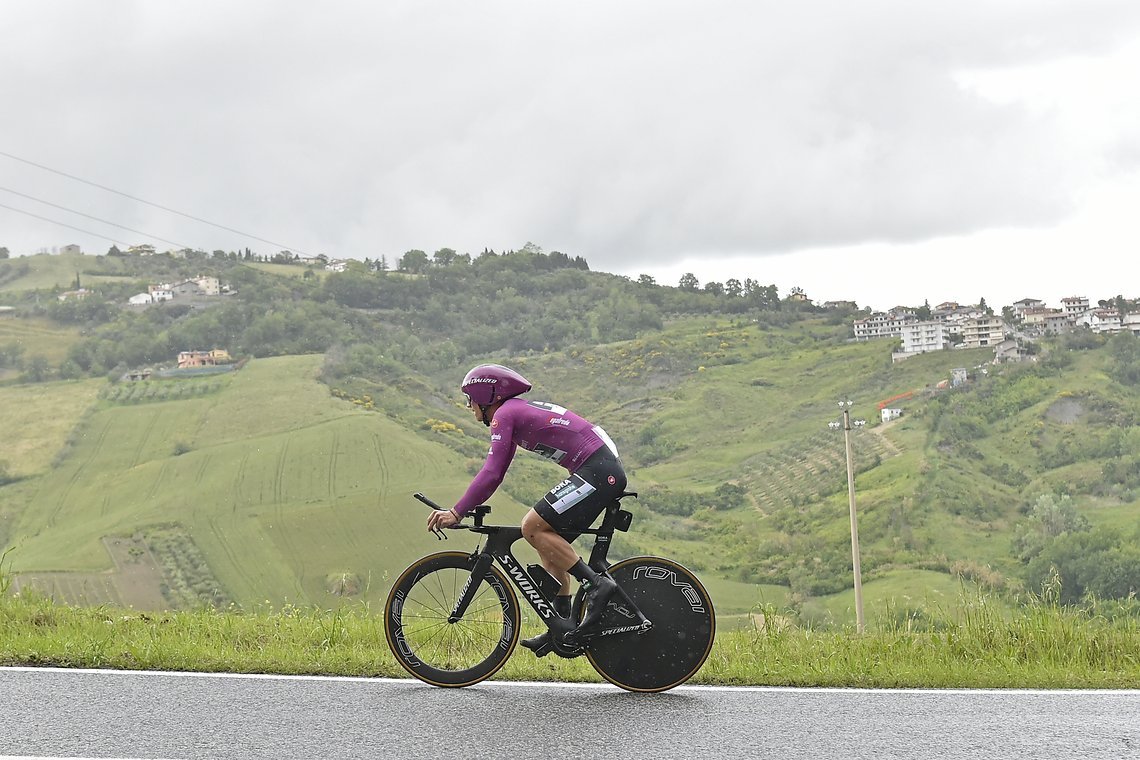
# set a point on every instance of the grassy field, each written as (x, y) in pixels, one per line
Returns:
(38, 337)
(46, 271)
(965, 644)
(287, 270)
(321, 492)
(261, 487)
(39, 420)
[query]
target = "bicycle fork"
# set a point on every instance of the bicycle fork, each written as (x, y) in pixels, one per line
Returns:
(478, 571)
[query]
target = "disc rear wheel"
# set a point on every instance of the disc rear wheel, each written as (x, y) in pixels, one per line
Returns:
(677, 645)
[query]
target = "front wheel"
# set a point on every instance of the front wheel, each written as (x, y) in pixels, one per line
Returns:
(438, 651)
(684, 626)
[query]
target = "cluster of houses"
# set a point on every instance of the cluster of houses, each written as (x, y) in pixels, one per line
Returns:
(199, 286)
(187, 360)
(212, 358)
(951, 324)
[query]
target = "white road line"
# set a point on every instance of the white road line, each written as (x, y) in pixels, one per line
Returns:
(53, 757)
(560, 685)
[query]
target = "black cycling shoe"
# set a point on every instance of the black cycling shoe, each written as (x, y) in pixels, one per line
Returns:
(600, 591)
(541, 644)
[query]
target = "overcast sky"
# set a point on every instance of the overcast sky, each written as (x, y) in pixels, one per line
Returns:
(883, 152)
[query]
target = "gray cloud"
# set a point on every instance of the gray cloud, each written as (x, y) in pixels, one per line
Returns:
(631, 132)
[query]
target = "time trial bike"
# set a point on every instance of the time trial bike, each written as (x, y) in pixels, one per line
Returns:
(452, 618)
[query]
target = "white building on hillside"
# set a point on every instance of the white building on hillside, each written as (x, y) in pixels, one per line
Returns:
(1025, 304)
(920, 338)
(1102, 321)
(888, 413)
(882, 325)
(1074, 305)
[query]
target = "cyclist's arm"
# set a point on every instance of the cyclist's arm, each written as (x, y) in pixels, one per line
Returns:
(494, 470)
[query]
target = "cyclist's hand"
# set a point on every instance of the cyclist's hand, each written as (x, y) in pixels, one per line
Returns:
(443, 518)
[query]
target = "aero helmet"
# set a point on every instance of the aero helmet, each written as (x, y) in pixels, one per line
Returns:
(490, 383)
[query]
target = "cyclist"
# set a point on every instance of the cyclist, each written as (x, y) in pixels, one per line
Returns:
(595, 479)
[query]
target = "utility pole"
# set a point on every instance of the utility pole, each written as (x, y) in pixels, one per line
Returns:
(846, 424)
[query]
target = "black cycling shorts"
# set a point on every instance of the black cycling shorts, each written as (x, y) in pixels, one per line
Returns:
(576, 502)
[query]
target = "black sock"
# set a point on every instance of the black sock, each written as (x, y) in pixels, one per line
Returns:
(583, 572)
(562, 605)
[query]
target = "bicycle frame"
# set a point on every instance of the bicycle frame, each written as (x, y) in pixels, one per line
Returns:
(497, 548)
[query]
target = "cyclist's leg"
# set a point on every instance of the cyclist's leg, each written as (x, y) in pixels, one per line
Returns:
(572, 505)
(554, 551)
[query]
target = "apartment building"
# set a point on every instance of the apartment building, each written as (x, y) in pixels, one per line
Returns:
(921, 337)
(883, 325)
(1131, 322)
(1074, 305)
(1103, 321)
(986, 330)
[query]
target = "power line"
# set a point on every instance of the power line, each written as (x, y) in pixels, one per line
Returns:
(62, 224)
(149, 203)
(97, 219)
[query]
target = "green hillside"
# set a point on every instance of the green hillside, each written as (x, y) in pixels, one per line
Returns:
(279, 488)
(289, 481)
(45, 272)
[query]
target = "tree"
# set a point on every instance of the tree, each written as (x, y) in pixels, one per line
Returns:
(729, 496)
(733, 287)
(413, 262)
(1052, 516)
(3, 252)
(1125, 350)
(444, 257)
(689, 282)
(715, 288)
(647, 281)
(37, 369)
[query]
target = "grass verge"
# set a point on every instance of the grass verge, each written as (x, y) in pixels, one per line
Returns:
(974, 645)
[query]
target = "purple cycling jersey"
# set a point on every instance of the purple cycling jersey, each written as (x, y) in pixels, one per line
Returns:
(548, 430)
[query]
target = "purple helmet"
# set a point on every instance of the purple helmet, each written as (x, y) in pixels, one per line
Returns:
(489, 383)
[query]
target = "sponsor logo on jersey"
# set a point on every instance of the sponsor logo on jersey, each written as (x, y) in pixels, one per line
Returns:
(494, 423)
(611, 480)
(496, 437)
(560, 421)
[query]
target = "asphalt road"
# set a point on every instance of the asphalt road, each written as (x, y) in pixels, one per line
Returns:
(47, 713)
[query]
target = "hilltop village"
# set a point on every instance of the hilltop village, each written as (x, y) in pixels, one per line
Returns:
(1010, 334)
